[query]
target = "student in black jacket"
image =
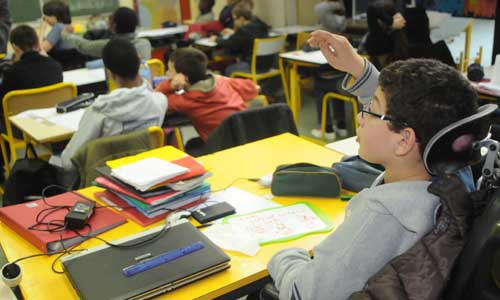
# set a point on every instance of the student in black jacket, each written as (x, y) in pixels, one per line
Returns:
(240, 42)
(31, 69)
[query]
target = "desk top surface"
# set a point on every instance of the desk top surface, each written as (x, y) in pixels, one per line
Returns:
(206, 42)
(294, 29)
(42, 131)
(250, 160)
(313, 57)
(84, 76)
(162, 32)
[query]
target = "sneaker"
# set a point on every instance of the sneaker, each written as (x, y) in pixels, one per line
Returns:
(329, 136)
(341, 132)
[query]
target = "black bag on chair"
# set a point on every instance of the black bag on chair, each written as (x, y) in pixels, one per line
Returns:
(28, 177)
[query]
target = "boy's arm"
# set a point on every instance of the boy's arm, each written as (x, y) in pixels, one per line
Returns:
(342, 263)
(342, 56)
(364, 86)
(165, 88)
(233, 43)
(245, 87)
(84, 46)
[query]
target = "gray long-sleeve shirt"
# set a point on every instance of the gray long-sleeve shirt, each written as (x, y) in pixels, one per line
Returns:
(94, 47)
(381, 222)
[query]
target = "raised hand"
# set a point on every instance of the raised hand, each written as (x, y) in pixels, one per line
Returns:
(338, 52)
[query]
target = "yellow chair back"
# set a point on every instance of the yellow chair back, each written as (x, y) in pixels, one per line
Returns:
(18, 101)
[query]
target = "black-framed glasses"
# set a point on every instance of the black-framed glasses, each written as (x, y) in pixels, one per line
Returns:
(382, 117)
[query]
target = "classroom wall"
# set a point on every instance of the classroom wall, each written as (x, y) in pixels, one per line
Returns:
(276, 13)
(305, 10)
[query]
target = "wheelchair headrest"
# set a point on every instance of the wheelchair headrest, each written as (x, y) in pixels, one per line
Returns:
(451, 148)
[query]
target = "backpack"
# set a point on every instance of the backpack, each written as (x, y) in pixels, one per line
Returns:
(28, 177)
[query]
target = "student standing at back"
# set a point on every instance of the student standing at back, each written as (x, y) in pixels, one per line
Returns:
(123, 23)
(240, 42)
(133, 105)
(206, 99)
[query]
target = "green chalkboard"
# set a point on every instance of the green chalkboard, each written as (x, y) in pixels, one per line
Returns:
(90, 7)
(24, 10)
(30, 10)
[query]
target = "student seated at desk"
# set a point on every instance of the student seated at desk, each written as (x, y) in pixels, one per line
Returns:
(226, 14)
(206, 13)
(123, 23)
(205, 98)
(133, 105)
(30, 68)
(404, 107)
(240, 40)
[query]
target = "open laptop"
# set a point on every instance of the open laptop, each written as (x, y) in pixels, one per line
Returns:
(99, 273)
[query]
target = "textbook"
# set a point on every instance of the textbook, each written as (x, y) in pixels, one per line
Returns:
(22, 217)
(137, 216)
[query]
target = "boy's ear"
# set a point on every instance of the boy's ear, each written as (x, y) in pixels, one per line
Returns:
(407, 142)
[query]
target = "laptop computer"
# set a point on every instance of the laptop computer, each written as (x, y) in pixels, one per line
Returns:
(101, 272)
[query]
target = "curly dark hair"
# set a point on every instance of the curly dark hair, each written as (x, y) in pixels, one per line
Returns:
(125, 20)
(426, 95)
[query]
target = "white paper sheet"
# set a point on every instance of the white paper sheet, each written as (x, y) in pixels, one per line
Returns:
(69, 120)
(244, 202)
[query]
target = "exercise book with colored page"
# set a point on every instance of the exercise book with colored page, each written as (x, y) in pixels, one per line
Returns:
(283, 223)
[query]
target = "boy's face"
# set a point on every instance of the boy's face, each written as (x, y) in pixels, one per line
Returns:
(376, 140)
(51, 20)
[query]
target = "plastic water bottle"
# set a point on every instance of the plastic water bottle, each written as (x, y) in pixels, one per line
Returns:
(145, 72)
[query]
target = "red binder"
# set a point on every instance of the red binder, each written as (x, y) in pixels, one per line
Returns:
(136, 215)
(21, 216)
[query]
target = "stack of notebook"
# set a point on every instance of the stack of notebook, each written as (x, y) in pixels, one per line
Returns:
(154, 183)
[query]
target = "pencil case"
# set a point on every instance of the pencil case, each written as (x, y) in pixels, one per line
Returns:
(305, 179)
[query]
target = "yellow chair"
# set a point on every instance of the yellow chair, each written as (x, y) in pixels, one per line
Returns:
(335, 96)
(156, 66)
(18, 101)
(95, 153)
(262, 47)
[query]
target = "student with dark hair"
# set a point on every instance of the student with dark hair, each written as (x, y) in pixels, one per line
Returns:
(56, 14)
(123, 23)
(30, 69)
(206, 13)
(133, 105)
(205, 98)
(241, 39)
(404, 106)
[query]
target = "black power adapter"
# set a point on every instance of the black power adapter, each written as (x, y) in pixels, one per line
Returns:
(79, 215)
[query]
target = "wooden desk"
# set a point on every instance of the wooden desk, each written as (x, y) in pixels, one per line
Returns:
(85, 76)
(206, 42)
(250, 160)
(293, 29)
(41, 131)
(162, 32)
(296, 59)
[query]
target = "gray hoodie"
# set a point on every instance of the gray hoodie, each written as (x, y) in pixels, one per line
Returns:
(122, 110)
(380, 223)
